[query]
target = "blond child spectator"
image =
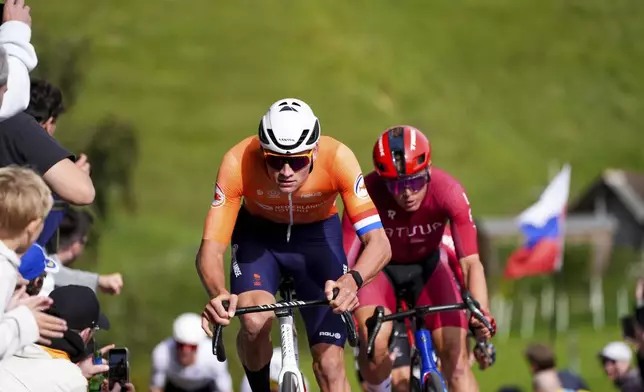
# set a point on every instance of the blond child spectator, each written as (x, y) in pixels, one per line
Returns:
(25, 200)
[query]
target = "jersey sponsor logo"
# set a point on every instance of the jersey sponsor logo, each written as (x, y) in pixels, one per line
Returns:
(331, 334)
(391, 214)
(220, 197)
(233, 256)
(311, 194)
(413, 231)
(359, 187)
(264, 206)
(469, 209)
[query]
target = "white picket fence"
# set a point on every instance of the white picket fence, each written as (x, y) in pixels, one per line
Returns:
(555, 305)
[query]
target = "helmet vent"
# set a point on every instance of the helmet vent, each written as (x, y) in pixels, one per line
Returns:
(421, 159)
(315, 135)
(287, 109)
(296, 104)
(295, 145)
(262, 134)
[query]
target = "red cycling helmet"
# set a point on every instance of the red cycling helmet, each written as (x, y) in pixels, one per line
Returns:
(401, 151)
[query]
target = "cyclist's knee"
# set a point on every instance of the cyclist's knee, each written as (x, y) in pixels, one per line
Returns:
(400, 379)
(328, 363)
(455, 362)
(381, 344)
(256, 325)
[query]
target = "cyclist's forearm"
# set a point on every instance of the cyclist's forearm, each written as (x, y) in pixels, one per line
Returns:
(476, 284)
(374, 257)
(210, 267)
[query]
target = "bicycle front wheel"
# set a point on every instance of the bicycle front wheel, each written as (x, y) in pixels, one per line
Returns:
(434, 383)
(289, 383)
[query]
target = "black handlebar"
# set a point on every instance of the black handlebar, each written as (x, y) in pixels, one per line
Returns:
(374, 323)
(219, 350)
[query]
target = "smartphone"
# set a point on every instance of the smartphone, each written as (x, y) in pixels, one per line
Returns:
(119, 363)
(628, 327)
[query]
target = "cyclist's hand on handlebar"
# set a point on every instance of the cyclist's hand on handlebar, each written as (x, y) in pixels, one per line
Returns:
(347, 299)
(485, 361)
(482, 332)
(216, 313)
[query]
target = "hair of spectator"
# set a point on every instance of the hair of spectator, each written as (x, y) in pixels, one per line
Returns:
(24, 198)
(46, 101)
(75, 225)
(4, 67)
(540, 356)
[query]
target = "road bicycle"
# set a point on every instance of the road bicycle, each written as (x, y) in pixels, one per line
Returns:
(431, 379)
(290, 377)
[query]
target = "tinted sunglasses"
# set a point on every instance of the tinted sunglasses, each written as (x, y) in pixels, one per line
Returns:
(413, 183)
(184, 346)
(296, 162)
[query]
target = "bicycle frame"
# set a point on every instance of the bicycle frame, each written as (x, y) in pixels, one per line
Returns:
(428, 364)
(424, 352)
(288, 341)
(288, 344)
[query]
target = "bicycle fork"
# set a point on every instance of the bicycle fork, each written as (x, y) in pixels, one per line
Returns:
(289, 345)
(425, 349)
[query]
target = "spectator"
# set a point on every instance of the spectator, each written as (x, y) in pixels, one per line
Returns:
(55, 364)
(542, 360)
(46, 106)
(616, 360)
(24, 142)
(184, 362)
(546, 381)
(17, 58)
(73, 232)
(34, 267)
(24, 200)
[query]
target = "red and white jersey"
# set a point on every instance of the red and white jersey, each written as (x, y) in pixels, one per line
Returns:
(416, 235)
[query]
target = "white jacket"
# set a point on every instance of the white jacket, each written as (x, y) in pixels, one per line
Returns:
(21, 59)
(34, 370)
(18, 326)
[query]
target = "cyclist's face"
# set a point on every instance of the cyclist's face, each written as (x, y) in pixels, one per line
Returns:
(290, 172)
(186, 354)
(614, 369)
(410, 193)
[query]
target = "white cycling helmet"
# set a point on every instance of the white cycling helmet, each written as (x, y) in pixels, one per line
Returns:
(187, 329)
(289, 127)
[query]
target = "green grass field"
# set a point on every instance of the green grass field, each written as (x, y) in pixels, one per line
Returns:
(502, 87)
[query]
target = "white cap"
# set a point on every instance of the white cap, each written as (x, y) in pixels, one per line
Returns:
(187, 329)
(617, 351)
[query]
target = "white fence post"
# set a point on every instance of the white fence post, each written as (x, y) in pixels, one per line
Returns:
(563, 312)
(547, 301)
(622, 302)
(529, 311)
(597, 302)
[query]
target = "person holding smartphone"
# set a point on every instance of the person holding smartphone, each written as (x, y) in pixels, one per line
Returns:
(60, 365)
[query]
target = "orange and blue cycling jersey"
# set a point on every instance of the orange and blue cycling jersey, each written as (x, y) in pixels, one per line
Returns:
(242, 175)
(273, 234)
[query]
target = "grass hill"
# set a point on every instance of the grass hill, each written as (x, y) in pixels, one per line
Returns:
(502, 88)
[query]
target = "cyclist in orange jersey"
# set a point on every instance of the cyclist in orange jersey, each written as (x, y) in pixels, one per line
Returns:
(287, 223)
